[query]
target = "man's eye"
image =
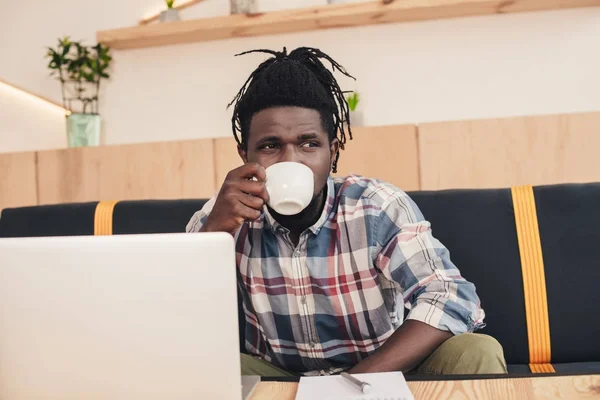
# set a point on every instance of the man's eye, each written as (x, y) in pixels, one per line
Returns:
(268, 146)
(310, 144)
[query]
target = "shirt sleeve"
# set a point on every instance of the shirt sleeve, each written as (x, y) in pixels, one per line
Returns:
(420, 267)
(199, 218)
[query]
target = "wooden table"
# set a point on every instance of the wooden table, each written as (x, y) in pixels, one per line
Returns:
(552, 387)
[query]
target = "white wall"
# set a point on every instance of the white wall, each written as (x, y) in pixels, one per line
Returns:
(29, 123)
(518, 64)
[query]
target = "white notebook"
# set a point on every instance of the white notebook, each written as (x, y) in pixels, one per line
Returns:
(384, 386)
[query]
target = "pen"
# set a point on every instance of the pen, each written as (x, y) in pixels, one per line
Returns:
(364, 387)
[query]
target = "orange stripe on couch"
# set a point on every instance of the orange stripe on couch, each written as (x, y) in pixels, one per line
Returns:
(103, 218)
(534, 279)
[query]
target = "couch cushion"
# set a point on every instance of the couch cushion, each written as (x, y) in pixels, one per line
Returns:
(562, 368)
(569, 223)
(581, 367)
(154, 216)
(52, 220)
(129, 217)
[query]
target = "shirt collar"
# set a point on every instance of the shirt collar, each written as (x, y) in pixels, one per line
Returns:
(316, 227)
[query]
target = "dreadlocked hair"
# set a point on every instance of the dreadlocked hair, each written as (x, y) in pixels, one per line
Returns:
(297, 79)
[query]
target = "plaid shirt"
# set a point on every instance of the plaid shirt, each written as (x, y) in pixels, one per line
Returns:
(328, 303)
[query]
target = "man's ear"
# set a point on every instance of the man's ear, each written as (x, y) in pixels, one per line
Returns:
(334, 148)
(243, 154)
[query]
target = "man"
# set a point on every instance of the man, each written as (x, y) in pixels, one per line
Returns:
(325, 290)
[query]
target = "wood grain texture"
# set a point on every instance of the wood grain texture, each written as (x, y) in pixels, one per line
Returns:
(384, 152)
(17, 180)
(275, 391)
(169, 170)
(547, 388)
(388, 153)
(307, 19)
(226, 158)
(536, 150)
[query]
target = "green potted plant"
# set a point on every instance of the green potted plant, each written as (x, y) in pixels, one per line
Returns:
(356, 117)
(80, 70)
(170, 14)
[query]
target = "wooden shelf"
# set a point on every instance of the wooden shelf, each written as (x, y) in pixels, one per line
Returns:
(327, 17)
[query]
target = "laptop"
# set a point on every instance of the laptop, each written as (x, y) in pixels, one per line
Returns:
(119, 317)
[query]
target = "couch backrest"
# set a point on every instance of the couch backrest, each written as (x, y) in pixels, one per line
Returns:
(129, 217)
(479, 229)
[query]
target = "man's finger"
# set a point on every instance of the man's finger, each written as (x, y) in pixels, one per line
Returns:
(254, 188)
(249, 214)
(249, 171)
(254, 202)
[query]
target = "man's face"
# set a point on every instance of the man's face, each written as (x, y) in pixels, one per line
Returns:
(295, 134)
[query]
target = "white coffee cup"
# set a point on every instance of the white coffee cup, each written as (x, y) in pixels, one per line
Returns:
(290, 186)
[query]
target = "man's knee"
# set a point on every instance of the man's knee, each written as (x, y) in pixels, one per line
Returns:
(467, 354)
(479, 354)
(477, 343)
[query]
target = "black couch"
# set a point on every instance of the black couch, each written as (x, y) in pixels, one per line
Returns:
(478, 227)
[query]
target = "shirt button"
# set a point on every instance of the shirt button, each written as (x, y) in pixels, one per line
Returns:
(303, 300)
(312, 344)
(296, 253)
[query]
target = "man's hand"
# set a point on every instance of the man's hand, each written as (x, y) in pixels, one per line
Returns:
(240, 199)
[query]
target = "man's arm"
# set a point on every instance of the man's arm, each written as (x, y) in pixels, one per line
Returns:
(408, 347)
(442, 302)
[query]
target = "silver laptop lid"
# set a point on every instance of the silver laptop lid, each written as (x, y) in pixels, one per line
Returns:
(119, 317)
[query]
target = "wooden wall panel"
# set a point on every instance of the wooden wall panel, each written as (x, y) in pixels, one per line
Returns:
(169, 170)
(226, 158)
(385, 152)
(465, 154)
(511, 151)
(17, 180)
(388, 153)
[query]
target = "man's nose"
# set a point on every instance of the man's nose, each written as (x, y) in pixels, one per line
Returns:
(289, 154)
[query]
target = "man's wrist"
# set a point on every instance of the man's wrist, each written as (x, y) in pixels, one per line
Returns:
(370, 364)
(210, 227)
(207, 226)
